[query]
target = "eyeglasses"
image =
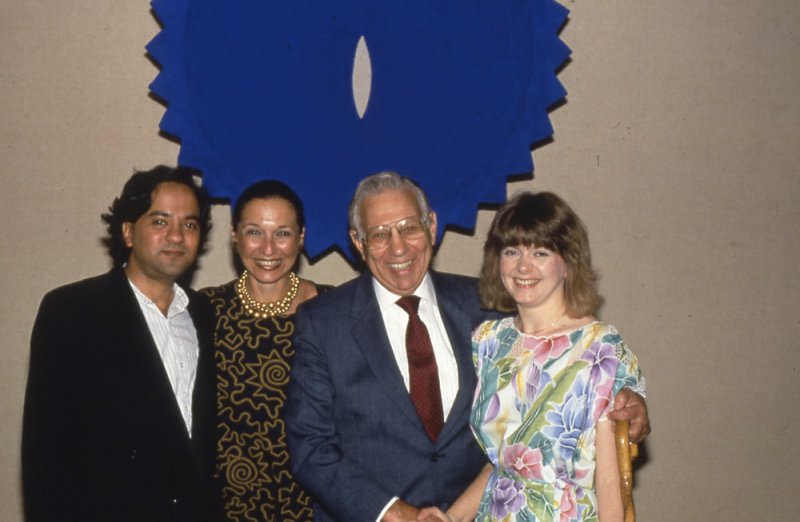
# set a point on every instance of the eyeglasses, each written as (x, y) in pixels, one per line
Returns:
(408, 228)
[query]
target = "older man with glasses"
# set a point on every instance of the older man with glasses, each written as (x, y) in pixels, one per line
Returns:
(382, 381)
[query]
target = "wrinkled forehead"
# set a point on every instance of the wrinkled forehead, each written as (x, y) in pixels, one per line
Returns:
(388, 207)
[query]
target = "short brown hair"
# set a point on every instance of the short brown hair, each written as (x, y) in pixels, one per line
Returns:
(544, 220)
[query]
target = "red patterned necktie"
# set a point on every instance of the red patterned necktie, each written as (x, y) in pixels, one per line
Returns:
(423, 374)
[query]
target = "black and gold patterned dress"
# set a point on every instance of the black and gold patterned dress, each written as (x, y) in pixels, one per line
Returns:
(253, 358)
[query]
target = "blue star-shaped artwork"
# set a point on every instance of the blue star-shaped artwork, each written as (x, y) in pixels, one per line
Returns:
(451, 93)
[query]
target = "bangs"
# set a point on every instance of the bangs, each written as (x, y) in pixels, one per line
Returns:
(519, 236)
(526, 225)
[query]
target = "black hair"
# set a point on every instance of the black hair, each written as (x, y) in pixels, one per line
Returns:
(267, 189)
(136, 199)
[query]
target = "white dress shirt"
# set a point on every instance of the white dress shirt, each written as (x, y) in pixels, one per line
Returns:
(176, 339)
(395, 320)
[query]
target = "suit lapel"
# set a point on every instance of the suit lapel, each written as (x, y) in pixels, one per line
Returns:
(369, 333)
(204, 413)
(139, 349)
(457, 324)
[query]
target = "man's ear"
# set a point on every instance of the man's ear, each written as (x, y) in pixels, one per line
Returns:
(432, 227)
(127, 233)
(357, 242)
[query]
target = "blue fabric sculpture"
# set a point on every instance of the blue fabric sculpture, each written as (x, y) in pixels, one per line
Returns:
(263, 89)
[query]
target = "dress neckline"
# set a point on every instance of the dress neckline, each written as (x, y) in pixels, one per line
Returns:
(560, 333)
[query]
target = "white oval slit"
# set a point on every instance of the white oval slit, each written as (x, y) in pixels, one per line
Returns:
(362, 77)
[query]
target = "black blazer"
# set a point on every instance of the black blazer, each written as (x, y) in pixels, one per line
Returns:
(103, 438)
(355, 439)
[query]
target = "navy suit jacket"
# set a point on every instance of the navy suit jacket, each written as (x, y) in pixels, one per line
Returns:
(103, 438)
(355, 439)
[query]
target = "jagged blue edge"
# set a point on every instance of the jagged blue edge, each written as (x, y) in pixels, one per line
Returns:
(179, 119)
(544, 91)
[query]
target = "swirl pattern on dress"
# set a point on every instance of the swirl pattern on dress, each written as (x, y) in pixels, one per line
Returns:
(253, 359)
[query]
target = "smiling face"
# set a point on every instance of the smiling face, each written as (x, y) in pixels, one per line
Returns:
(164, 240)
(533, 276)
(268, 239)
(401, 265)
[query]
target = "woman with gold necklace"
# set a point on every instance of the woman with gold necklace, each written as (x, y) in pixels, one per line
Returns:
(254, 351)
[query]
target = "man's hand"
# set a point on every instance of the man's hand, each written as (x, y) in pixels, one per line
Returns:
(630, 406)
(433, 514)
(400, 512)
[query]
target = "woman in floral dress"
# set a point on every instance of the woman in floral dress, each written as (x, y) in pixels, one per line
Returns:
(547, 376)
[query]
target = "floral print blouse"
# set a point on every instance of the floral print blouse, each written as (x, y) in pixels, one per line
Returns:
(535, 414)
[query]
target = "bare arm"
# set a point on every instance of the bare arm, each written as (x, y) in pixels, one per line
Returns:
(606, 476)
(465, 508)
(630, 406)
(466, 505)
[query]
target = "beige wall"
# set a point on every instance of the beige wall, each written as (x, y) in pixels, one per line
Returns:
(678, 146)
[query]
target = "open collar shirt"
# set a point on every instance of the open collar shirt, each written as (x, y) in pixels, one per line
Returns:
(176, 339)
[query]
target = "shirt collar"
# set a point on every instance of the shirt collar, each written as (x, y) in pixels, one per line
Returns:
(179, 299)
(424, 291)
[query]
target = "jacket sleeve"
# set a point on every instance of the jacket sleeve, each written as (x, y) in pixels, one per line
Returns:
(52, 433)
(334, 479)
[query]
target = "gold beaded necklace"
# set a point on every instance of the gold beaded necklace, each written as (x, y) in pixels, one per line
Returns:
(261, 310)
